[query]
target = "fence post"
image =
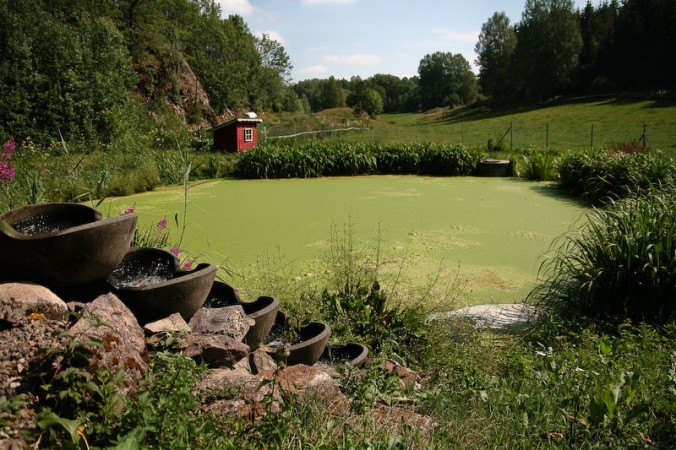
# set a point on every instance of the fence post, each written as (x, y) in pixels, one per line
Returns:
(511, 135)
(644, 137)
(591, 143)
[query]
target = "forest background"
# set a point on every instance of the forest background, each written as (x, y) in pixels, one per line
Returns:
(108, 74)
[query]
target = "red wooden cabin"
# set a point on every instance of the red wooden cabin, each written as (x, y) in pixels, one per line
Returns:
(237, 135)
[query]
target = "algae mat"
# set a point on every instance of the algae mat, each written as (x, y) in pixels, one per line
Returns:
(490, 232)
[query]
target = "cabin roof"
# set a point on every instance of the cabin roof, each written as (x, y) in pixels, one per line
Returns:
(235, 121)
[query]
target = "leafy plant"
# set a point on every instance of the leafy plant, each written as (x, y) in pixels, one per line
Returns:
(538, 164)
(620, 262)
(598, 177)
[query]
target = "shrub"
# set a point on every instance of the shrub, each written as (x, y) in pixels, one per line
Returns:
(328, 158)
(538, 164)
(448, 160)
(620, 262)
(598, 177)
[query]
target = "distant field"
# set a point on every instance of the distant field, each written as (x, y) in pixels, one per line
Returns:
(570, 126)
(488, 232)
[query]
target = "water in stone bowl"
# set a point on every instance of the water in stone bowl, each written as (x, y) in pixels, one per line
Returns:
(62, 244)
(151, 283)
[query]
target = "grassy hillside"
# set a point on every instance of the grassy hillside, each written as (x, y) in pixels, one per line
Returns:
(570, 125)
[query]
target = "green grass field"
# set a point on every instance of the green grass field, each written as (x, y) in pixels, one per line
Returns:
(570, 126)
(486, 234)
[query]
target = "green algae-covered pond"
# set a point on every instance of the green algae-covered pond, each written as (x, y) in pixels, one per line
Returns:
(489, 232)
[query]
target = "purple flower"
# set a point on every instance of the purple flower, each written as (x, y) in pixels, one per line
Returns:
(174, 251)
(130, 210)
(162, 224)
(188, 265)
(8, 148)
(7, 171)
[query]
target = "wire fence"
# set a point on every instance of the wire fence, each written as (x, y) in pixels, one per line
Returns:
(506, 135)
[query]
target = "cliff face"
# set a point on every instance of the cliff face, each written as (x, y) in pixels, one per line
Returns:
(194, 105)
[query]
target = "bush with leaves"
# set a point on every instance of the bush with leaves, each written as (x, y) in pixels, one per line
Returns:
(620, 262)
(598, 177)
(334, 158)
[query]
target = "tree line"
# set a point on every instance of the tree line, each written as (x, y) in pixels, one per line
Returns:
(556, 50)
(73, 69)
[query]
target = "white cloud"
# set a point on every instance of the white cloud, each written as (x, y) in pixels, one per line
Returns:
(240, 7)
(454, 36)
(358, 59)
(274, 35)
(324, 2)
(316, 49)
(315, 70)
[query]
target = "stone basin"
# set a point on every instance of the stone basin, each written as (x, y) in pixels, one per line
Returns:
(149, 281)
(350, 353)
(494, 168)
(263, 311)
(308, 345)
(62, 244)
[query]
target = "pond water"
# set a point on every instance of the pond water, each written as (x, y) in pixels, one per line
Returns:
(489, 233)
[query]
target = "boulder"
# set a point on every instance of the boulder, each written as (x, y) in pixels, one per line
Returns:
(27, 300)
(123, 342)
(172, 324)
(231, 321)
(216, 350)
(309, 383)
(238, 393)
(409, 378)
(261, 361)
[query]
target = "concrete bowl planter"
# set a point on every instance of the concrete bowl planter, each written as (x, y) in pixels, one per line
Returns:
(494, 168)
(149, 281)
(307, 346)
(263, 311)
(350, 353)
(62, 244)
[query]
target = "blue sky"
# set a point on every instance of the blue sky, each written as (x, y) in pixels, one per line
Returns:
(344, 38)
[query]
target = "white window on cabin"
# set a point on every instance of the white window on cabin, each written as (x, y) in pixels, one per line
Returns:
(248, 134)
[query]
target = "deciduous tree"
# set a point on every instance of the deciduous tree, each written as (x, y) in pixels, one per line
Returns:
(495, 49)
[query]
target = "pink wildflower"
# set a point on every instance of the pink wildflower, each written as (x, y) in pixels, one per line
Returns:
(7, 172)
(130, 210)
(188, 265)
(174, 251)
(162, 224)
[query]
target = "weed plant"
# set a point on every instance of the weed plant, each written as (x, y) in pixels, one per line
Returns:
(621, 262)
(335, 158)
(599, 176)
(538, 164)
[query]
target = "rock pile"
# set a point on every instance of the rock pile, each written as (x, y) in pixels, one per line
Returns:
(33, 320)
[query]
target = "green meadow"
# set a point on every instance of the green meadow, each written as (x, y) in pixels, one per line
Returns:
(614, 121)
(487, 235)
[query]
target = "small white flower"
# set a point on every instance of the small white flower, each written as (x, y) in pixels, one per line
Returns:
(543, 354)
(579, 369)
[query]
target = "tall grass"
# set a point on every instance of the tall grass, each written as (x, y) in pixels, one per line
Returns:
(334, 158)
(621, 262)
(598, 176)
